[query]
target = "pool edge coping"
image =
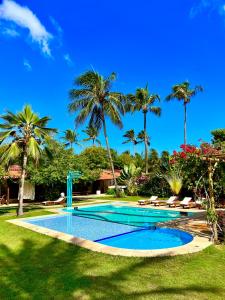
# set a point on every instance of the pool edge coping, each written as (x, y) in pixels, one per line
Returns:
(198, 243)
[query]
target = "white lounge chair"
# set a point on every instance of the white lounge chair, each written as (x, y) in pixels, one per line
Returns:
(173, 201)
(187, 202)
(147, 201)
(60, 200)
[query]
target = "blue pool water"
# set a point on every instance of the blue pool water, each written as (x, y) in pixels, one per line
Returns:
(109, 226)
(126, 215)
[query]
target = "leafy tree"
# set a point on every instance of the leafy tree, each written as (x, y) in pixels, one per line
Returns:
(144, 101)
(183, 92)
(92, 133)
(218, 137)
(94, 99)
(122, 159)
(96, 157)
(70, 138)
(51, 173)
(28, 136)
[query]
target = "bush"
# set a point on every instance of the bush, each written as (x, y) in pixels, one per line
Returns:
(155, 186)
(111, 192)
(221, 223)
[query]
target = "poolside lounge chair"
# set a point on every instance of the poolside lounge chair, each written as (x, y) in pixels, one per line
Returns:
(59, 201)
(147, 201)
(173, 201)
(187, 202)
(200, 202)
(159, 202)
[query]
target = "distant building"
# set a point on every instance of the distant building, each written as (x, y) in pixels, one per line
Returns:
(105, 180)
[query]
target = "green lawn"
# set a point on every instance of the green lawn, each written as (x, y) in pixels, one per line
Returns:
(127, 198)
(34, 266)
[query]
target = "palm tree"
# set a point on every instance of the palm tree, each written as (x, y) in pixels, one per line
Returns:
(183, 92)
(141, 137)
(144, 101)
(70, 138)
(95, 99)
(92, 133)
(26, 135)
(131, 138)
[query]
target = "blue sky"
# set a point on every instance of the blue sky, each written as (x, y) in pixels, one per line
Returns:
(44, 45)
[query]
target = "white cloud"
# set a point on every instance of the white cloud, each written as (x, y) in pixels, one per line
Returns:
(68, 59)
(9, 31)
(23, 17)
(27, 65)
(208, 5)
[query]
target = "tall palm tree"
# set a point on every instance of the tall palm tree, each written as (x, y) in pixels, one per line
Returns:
(70, 138)
(92, 133)
(183, 92)
(144, 101)
(94, 99)
(130, 138)
(26, 135)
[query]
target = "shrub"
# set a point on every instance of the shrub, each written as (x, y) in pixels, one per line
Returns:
(155, 186)
(111, 192)
(221, 223)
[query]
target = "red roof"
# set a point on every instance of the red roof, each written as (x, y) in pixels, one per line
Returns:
(107, 174)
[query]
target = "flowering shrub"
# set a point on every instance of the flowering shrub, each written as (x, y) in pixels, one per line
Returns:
(221, 223)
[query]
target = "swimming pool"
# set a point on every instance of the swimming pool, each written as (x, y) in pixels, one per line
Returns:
(119, 227)
(136, 216)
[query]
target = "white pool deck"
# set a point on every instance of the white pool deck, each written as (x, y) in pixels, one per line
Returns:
(195, 225)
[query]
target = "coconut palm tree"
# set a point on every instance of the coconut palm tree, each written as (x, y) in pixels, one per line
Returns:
(131, 138)
(70, 138)
(183, 92)
(94, 99)
(26, 135)
(92, 133)
(144, 101)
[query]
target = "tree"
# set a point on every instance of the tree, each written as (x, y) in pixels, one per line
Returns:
(92, 133)
(209, 156)
(218, 137)
(144, 101)
(129, 176)
(131, 138)
(94, 99)
(28, 136)
(70, 138)
(183, 92)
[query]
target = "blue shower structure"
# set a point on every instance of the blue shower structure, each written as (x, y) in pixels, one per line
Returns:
(70, 177)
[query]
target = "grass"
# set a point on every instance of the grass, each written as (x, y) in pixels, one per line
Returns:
(35, 266)
(127, 198)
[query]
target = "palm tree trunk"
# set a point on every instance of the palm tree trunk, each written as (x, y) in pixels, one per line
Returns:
(146, 143)
(212, 208)
(21, 187)
(109, 154)
(185, 123)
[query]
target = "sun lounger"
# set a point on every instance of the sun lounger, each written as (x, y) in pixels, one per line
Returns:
(59, 201)
(159, 202)
(187, 202)
(200, 202)
(173, 201)
(147, 201)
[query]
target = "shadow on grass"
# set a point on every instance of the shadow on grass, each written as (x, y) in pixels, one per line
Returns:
(57, 270)
(12, 209)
